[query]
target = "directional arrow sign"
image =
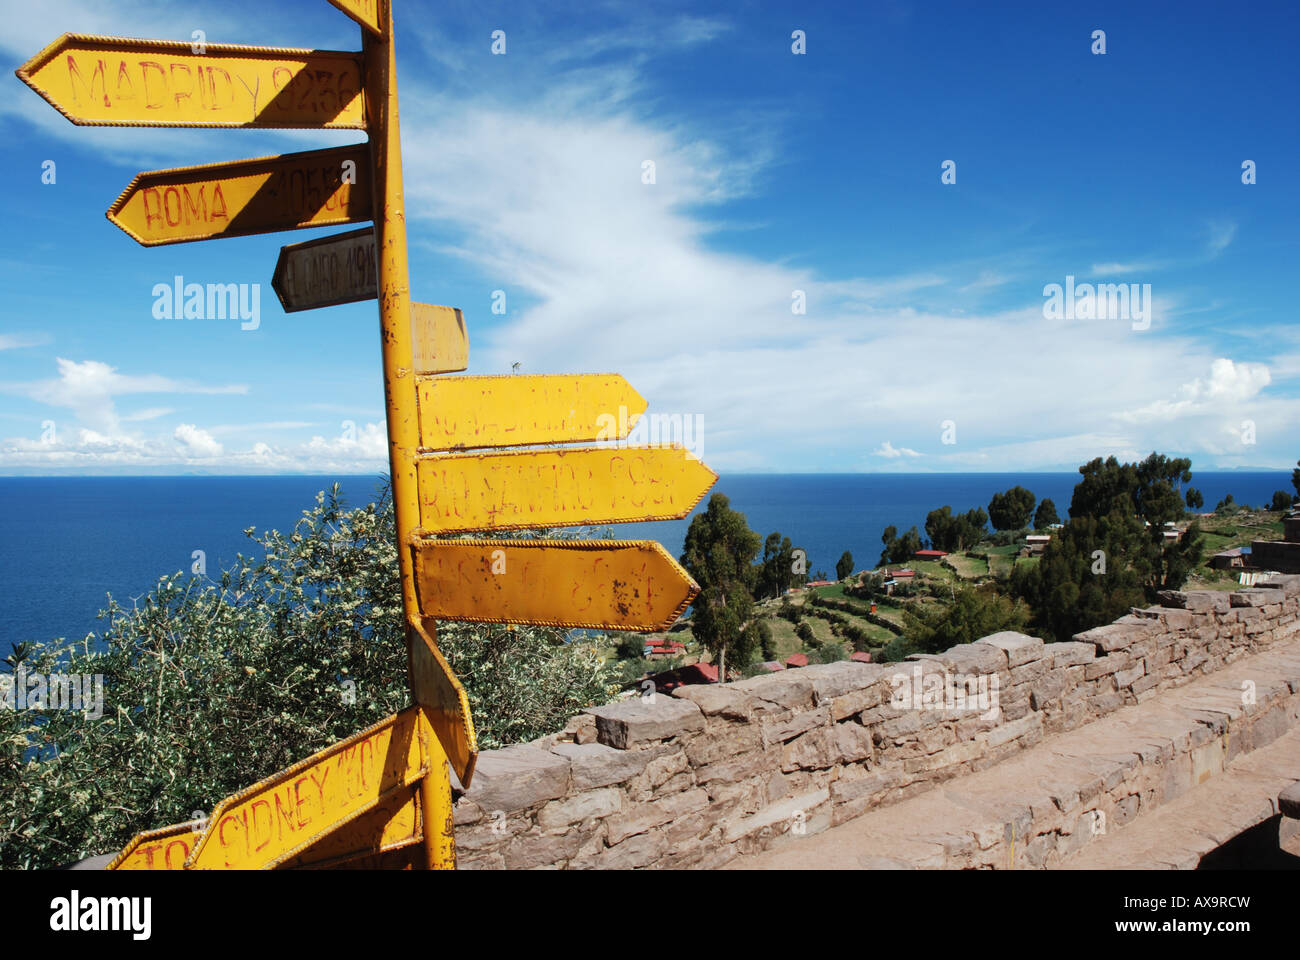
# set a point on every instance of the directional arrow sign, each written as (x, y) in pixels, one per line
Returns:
(275, 820)
(313, 189)
(511, 490)
(326, 271)
(364, 12)
(514, 411)
(600, 584)
(439, 341)
(109, 81)
(393, 824)
(164, 849)
(435, 687)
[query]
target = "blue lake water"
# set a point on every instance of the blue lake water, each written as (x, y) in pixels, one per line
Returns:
(65, 542)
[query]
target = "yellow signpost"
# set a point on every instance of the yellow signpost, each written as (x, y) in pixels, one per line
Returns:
(597, 584)
(110, 81)
(318, 188)
(517, 411)
(565, 487)
(383, 797)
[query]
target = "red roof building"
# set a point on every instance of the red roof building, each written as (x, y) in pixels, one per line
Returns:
(772, 666)
(861, 657)
(798, 660)
(903, 573)
(670, 680)
(930, 554)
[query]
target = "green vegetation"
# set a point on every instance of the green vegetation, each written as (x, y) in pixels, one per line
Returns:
(1011, 510)
(949, 531)
(1045, 515)
(211, 686)
(719, 553)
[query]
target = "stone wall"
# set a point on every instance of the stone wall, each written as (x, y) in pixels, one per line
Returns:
(696, 778)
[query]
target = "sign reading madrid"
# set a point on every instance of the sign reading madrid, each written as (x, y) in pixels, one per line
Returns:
(110, 81)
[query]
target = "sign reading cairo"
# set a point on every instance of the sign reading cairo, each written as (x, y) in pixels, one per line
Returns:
(513, 411)
(121, 82)
(461, 493)
(279, 818)
(600, 584)
(326, 271)
(313, 189)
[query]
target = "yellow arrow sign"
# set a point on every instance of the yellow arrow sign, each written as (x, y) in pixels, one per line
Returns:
(436, 688)
(275, 820)
(313, 189)
(112, 81)
(166, 848)
(393, 824)
(511, 490)
(364, 12)
(600, 584)
(514, 411)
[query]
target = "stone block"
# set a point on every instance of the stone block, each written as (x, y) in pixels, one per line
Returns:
(518, 777)
(631, 722)
(1018, 647)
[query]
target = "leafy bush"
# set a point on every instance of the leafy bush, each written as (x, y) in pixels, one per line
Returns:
(212, 686)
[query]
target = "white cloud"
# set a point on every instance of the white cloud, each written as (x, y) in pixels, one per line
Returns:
(88, 389)
(887, 449)
(195, 442)
(16, 341)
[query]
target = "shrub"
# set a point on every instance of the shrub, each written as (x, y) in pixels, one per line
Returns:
(210, 686)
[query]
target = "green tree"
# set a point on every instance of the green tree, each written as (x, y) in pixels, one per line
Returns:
(1045, 515)
(210, 686)
(1281, 500)
(844, 567)
(1151, 489)
(719, 553)
(1194, 499)
(1112, 553)
(955, 532)
(974, 612)
(1011, 510)
(1295, 478)
(899, 549)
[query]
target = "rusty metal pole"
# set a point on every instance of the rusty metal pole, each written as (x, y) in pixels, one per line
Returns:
(399, 382)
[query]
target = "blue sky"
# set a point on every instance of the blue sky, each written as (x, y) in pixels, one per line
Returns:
(774, 173)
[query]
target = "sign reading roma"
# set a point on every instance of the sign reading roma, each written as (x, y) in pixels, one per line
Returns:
(312, 189)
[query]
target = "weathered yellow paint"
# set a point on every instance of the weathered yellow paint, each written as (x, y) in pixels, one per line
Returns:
(600, 584)
(313, 189)
(514, 489)
(275, 820)
(364, 12)
(439, 339)
(393, 824)
(436, 800)
(326, 271)
(514, 411)
(436, 689)
(166, 848)
(114, 81)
